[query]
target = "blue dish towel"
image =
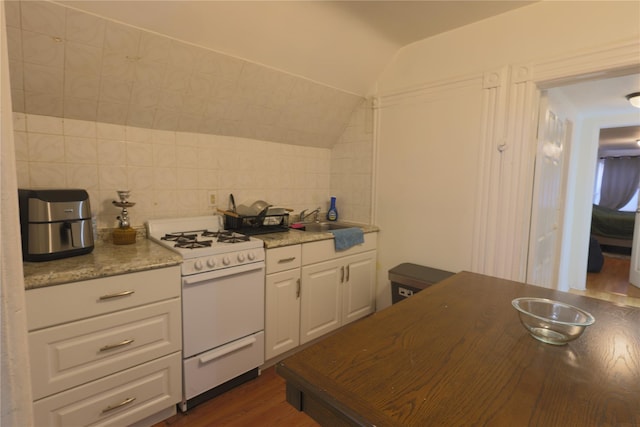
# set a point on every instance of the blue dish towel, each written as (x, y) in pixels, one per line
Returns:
(347, 237)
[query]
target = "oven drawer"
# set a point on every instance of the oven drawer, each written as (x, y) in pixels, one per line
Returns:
(75, 353)
(284, 258)
(88, 298)
(212, 368)
(117, 400)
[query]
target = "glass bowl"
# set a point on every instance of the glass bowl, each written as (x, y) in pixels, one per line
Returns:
(552, 322)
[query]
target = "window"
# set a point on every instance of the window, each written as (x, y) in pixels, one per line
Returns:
(629, 207)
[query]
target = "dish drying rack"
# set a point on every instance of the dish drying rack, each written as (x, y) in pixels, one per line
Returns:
(256, 224)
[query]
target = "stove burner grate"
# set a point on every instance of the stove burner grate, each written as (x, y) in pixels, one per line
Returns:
(193, 244)
(189, 239)
(179, 237)
(207, 233)
(233, 238)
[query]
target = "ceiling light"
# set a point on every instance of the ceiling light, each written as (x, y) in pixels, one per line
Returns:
(638, 141)
(634, 99)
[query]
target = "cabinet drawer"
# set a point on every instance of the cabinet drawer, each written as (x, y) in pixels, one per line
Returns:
(284, 258)
(75, 353)
(324, 250)
(117, 400)
(223, 363)
(54, 305)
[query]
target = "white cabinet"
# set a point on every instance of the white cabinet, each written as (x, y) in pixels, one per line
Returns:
(282, 300)
(336, 292)
(358, 292)
(322, 300)
(106, 351)
(311, 290)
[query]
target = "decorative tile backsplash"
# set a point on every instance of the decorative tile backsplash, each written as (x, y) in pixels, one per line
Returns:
(69, 64)
(175, 173)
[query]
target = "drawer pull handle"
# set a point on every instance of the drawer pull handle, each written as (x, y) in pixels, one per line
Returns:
(283, 260)
(216, 354)
(116, 295)
(120, 344)
(119, 405)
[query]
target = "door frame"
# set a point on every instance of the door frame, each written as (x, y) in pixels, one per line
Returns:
(578, 201)
(511, 153)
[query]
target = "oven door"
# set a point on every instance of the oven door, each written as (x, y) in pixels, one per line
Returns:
(222, 306)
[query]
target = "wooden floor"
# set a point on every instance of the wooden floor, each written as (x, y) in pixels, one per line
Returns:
(259, 402)
(612, 282)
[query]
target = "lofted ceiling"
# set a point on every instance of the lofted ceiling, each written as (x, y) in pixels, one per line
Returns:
(283, 71)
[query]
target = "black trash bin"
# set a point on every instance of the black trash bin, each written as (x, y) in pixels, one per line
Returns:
(407, 279)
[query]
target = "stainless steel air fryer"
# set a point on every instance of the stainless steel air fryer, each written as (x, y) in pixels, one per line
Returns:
(55, 224)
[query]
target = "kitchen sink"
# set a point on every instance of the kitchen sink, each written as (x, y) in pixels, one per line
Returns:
(324, 226)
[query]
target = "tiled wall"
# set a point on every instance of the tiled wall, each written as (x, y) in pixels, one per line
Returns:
(352, 167)
(144, 112)
(66, 63)
(169, 173)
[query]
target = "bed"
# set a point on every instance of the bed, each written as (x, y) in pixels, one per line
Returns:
(611, 227)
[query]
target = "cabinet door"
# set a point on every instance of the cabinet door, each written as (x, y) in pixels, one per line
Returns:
(358, 290)
(282, 312)
(320, 303)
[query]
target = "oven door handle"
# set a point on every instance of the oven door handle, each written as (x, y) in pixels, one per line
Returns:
(225, 272)
(216, 354)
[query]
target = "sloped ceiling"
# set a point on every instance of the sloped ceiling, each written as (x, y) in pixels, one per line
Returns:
(341, 44)
(288, 72)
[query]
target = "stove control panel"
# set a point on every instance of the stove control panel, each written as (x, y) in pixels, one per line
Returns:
(218, 262)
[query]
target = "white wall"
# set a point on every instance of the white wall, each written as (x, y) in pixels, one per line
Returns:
(427, 166)
(441, 234)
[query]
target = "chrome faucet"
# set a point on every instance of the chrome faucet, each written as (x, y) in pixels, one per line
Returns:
(304, 215)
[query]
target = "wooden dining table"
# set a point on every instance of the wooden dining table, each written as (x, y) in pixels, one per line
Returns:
(456, 354)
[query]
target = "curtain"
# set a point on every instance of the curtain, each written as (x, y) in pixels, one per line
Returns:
(16, 406)
(620, 180)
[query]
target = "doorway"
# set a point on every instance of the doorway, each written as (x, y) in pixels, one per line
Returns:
(594, 105)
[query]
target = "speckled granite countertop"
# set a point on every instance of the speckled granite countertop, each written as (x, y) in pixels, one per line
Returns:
(106, 259)
(295, 237)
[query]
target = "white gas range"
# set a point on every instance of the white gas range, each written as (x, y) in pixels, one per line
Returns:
(204, 244)
(222, 303)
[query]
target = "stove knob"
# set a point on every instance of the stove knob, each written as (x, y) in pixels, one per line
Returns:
(211, 262)
(251, 256)
(197, 265)
(240, 257)
(226, 260)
